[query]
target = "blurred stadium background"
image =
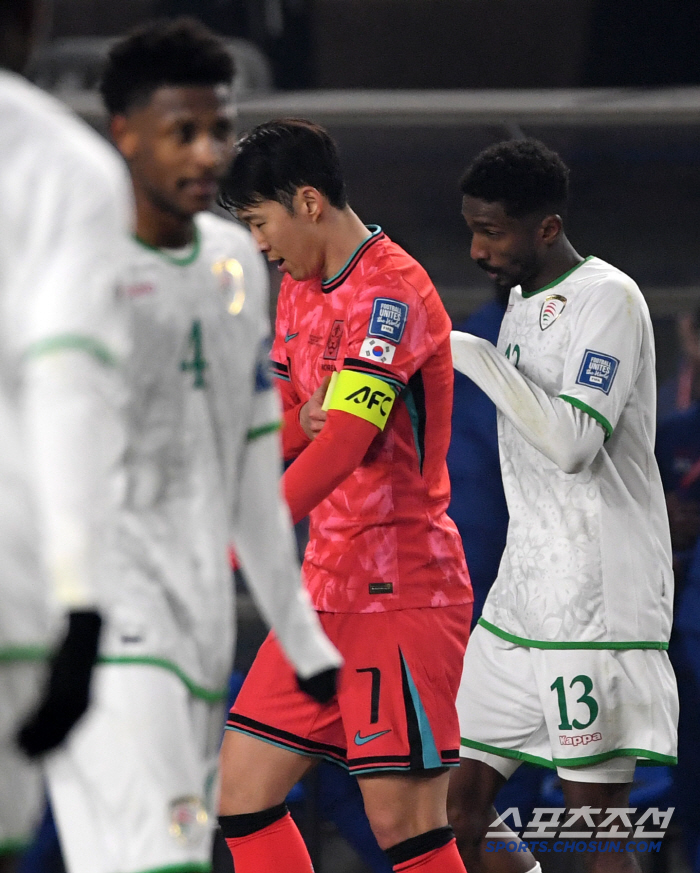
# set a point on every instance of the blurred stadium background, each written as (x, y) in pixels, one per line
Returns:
(413, 89)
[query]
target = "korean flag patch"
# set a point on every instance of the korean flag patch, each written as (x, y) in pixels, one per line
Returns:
(377, 350)
(388, 319)
(597, 371)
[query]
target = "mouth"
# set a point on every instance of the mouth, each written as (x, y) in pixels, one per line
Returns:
(206, 188)
(281, 264)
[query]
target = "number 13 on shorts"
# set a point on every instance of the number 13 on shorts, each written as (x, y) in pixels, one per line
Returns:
(577, 691)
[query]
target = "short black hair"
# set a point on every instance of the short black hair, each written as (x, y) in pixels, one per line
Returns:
(275, 159)
(180, 53)
(522, 174)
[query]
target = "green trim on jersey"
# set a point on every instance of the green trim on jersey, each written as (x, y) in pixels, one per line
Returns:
(207, 694)
(72, 342)
(584, 407)
(14, 846)
(178, 262)
(374, 230)
(264, 429)
(23, 653)
(528, 294)
(547, 644)
(191, 867)
(649, 759)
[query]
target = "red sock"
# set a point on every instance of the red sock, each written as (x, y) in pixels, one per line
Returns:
(279, 846)
(443, 860)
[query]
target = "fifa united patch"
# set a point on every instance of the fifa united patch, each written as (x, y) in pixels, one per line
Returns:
(597, 371)
(377, 350)
(552, 308)
(388, 319)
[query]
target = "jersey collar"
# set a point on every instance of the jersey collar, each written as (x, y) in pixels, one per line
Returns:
(184, 261)
(376, 233)
(528, 294)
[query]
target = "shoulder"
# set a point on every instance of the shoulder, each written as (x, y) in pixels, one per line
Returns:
(222, 239)
(57, 144)
(600, 281)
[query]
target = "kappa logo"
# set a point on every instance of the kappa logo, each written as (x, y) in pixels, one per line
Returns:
(580, 740)
(366, 397)
(552, 308)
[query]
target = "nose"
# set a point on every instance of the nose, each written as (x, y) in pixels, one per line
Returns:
(478, 251)
(209, 152)
(260, 240)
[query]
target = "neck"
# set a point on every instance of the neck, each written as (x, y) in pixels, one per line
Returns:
(345, 233)
(161, 228)
(560, 259)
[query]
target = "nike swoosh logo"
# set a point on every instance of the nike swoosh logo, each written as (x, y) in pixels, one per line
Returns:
(290, 336)
(360, 740)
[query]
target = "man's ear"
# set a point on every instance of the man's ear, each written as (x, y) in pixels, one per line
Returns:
(550, 229)
(309, 202)
(124, 137)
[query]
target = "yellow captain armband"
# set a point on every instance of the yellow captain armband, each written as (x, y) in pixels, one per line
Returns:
(362, 395)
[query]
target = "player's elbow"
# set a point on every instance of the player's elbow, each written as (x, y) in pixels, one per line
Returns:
(573, 457)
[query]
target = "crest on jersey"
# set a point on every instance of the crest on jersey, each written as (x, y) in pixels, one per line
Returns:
(552, 308)
(231, 283)
(334, 338)
(189, 821)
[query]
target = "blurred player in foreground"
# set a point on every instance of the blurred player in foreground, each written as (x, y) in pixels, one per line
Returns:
(568, 666)
(65, 212)
(135, 787)
(384, 564)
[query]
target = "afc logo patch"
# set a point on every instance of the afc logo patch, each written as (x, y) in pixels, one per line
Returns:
(597, 371)
(333, 344)
(388, 319)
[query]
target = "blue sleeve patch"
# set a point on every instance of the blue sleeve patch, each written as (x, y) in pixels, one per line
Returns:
(263, 371)
(388, 319)
(597, 371)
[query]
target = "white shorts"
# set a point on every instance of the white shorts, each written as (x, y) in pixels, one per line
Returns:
(135, 788)
(21, 784)
(591, 713)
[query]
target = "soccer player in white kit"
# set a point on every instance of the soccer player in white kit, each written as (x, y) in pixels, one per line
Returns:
(65, 215)
(568, 666)
(135, 788)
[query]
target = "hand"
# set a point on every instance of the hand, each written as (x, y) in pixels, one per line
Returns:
(312, 417)
(67, 693)
(321, 686)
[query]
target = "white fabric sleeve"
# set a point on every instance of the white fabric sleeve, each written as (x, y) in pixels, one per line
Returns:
(264, 543)
(566, 435)
(74, 434)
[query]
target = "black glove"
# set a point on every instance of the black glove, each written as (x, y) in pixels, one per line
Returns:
(321, 686)
(67, 692)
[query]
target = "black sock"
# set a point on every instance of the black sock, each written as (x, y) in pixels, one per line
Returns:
(233, 826)
(414, 847)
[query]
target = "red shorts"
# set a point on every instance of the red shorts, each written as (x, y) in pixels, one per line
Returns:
(395, 708)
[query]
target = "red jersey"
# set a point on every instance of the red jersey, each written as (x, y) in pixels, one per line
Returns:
(382, 540)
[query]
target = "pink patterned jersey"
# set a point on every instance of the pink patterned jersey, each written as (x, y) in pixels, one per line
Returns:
(382, 540)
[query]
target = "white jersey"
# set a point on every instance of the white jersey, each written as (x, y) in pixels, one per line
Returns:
(64, 213)
(199, 398)
(588, 556)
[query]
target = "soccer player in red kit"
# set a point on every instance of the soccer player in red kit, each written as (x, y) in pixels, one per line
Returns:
(384, 565)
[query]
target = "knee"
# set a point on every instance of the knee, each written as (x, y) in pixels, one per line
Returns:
(468, 820)
(390, 827)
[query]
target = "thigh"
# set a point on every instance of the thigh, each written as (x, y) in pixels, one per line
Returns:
(133, 788)
(602, 704)
(271, 708)
(400, 679)
(500, 712)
